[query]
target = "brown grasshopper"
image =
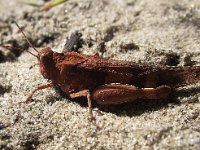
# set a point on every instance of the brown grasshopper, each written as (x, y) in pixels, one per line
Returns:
(107, 81)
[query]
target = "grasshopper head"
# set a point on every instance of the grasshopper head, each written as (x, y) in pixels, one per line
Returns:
(45, 57)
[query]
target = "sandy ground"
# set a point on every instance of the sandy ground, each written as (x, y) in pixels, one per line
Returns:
(156, 32)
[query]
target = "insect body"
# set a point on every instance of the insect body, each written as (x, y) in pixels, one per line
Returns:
(110, 81)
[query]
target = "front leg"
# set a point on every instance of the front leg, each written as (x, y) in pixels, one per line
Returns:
(40, 87)
(113, 94)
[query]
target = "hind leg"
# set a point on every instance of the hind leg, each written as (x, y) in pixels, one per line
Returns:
(113, 94)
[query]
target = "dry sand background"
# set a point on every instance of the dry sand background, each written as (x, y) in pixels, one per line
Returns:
(165, 32)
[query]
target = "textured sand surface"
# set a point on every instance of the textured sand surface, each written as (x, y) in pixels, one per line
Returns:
(156, 32)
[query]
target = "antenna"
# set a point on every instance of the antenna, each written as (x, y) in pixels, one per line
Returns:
(11, 48)
(25, 37)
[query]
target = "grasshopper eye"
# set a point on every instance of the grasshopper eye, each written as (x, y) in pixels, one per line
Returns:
(45, 59)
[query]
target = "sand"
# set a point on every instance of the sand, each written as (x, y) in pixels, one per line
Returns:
(154, 32)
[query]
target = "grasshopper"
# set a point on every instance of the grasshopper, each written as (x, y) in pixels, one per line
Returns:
(107, 81)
